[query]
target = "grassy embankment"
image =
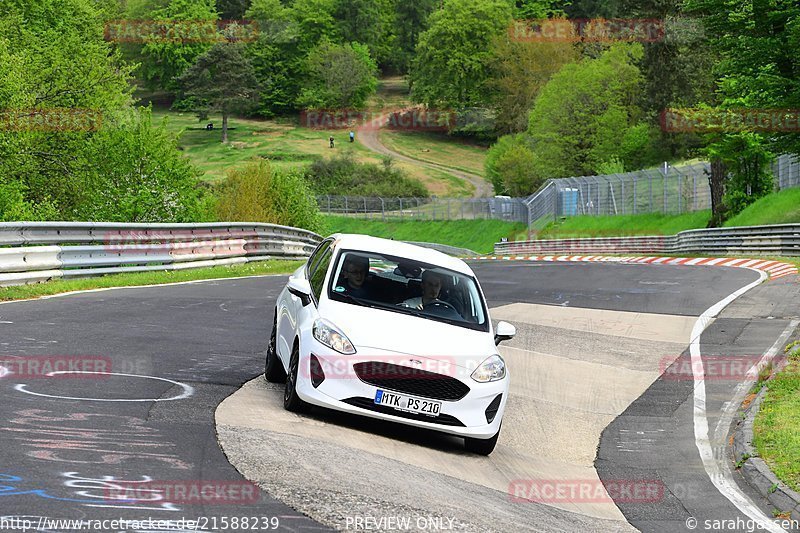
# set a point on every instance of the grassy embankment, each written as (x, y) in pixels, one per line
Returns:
(778, 208)
(476, 235)
(776, 431)
(134, 279)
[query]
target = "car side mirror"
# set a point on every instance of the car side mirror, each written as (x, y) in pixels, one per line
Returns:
(503, 332)
(301, 288)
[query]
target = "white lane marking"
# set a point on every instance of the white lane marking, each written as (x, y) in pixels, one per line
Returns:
(725, 484)
(730, 409)
(4, 371)
(187, 390)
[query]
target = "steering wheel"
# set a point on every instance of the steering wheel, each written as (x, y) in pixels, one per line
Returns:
(440, 303)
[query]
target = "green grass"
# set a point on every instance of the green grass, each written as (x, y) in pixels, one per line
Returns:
(286, 145)
(777, 208)
(776, 431)
(37, 290)
(437, 148)
(622, 225)
(476, 235)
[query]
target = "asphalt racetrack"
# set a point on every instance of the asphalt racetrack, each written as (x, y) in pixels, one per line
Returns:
(591, 408)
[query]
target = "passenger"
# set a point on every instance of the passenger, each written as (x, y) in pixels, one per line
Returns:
(431, 287)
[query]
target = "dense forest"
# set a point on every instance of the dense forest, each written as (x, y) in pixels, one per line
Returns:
(580, 101)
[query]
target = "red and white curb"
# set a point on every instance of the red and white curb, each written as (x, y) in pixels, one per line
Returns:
(774, 269)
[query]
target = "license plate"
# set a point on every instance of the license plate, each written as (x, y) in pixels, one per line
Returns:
(401, 402)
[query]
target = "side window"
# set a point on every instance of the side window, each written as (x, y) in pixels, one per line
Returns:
(317, 279)
(315, 257)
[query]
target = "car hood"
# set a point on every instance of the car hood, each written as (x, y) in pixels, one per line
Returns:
(388, 331)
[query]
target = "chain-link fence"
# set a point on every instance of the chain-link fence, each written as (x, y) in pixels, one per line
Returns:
(667, 190)
(786, 169)
(499, 207)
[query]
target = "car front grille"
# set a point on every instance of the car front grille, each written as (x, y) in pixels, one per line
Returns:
(408, 380)
(370, 405)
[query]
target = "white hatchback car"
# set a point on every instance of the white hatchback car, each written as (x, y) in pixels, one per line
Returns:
(389, 330)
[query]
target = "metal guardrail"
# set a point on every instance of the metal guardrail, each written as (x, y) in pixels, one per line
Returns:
(40, 251)
(780, 240)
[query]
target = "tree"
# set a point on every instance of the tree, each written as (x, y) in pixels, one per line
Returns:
(190, 30)
(411, 19)
(222, 80)
(368, 22)
(585, 112)
(339, 76)
(510, 166)
(759, 68)
(277, 58)
(520, 70)
(232, 9)
(135, 173)
(55, 64)
(452, 65)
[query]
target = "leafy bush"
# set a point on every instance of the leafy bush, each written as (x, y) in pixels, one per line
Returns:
(258, 193)
(510, 168)
(339, 76)
(343, 176)
(133, 172)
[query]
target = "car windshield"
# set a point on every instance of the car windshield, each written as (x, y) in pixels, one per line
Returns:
(407, 286)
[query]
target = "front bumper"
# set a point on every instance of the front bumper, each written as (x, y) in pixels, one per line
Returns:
(342, 390)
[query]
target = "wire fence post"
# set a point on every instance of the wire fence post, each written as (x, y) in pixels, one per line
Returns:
(401, 207)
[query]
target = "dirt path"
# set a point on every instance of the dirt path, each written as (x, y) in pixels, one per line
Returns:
(369, 137)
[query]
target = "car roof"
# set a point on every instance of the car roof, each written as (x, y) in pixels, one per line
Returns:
(367, 243)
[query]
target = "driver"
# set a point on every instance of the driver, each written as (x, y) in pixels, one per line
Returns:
(431, 286)
(354, 274)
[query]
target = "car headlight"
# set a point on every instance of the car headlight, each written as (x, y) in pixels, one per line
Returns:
(492, 369)
(330, 336)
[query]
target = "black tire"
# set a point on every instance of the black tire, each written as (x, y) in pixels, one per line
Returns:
(291, 401)
(273, 368)
(481, 446)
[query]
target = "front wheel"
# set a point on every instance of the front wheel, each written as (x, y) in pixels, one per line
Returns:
(273, 369)
(481, 446)
(291, 401)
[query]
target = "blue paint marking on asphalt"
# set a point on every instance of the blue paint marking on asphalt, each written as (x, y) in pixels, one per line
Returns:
(9, 490)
